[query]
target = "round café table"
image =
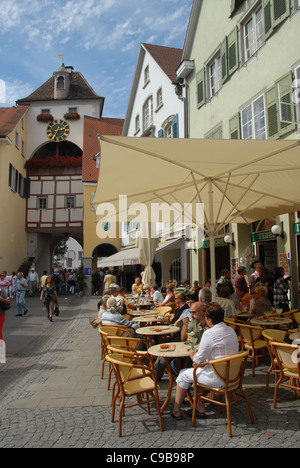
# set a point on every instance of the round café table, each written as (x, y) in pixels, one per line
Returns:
(159, 330)
(169, 351)
(295, 336)
(271, 322)
(143, 320)
(142, 313)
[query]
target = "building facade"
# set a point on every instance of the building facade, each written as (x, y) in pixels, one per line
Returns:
(55, 123)
(14, 187)
(156, 108)
(242, 82)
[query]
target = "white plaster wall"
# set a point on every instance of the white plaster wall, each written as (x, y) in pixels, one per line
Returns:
(171, 104)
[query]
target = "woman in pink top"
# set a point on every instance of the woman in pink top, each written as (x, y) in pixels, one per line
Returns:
(4, 284)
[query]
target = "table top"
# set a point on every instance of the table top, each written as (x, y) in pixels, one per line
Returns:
(141, 313)
(149, 319)
(295, 336)
(178, 349)
(158, 330)
(271, 321)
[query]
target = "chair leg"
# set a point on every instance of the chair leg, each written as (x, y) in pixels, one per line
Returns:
(121, 414)
(228, 414)
(159, 411)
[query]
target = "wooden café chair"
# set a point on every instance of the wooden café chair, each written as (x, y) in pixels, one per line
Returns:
(145, 387)
(231, 372)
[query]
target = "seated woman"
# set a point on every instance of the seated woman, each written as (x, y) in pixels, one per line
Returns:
(181, 305)
(169, 299)
(220, 341)
(262, 305)
(112, 317)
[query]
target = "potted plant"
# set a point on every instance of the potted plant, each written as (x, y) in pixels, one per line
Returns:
(72, 116)
(45, 118)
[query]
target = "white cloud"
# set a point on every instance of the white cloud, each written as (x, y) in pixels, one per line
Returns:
(15, 90)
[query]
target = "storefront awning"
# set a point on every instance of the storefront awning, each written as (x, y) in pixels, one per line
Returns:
(131, 256)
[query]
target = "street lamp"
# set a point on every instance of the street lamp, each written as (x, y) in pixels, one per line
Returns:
(229, 240)
(277, 230)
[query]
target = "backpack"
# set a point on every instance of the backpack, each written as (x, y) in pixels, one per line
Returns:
(56, 279)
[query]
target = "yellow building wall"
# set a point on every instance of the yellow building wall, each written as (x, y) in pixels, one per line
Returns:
(13, 246)
(90, 237)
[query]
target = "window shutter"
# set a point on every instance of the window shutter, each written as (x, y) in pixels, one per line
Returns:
(287, 114)
(272, 112)
(160, 133)
(233, 51)
(175, 127)
(224, 59)
(10, 175)
(26, 192)
(201, 94)
(281, 11)
(235, 128)
(268, 21)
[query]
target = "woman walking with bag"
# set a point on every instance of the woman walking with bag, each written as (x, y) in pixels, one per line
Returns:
(50, 298)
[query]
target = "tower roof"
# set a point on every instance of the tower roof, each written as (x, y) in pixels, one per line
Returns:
(79, 89)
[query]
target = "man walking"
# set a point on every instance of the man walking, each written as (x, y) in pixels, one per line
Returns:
(33, 282)
(20, 290)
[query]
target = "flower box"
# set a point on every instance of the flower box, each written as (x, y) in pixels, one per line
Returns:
(72, 116)
(52, 161)
(45, 118)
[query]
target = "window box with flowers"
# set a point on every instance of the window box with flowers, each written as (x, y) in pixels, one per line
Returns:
(49, 162)
(45, 118)
(72, 116)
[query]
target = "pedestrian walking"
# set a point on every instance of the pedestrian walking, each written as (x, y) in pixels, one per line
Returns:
(21, 287)
(49, 297)
(33, 282)
(72, 282)
(4, 284)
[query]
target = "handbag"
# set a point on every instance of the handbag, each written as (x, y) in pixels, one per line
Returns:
(4, 306)
(96, 322)
(56, 310)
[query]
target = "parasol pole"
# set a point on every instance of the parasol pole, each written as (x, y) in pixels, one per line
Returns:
(212, 241)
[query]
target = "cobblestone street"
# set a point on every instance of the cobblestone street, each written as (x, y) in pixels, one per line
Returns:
(52, 396)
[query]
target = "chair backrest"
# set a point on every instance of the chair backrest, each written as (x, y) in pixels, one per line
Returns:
(231, 369)
(163, 310)
(290, 313)
(114, 330)
(230, 322)
(123, 343)
(124, 367)
(288, 356)
(297, 317)
(274, 335)
(249, 334)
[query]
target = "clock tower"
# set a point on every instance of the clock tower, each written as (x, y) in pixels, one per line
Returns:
(62, 80)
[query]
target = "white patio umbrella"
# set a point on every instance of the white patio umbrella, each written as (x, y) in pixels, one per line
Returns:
(147, 246)
(238, 181)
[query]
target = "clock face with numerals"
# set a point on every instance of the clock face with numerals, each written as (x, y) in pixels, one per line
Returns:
(58, 130)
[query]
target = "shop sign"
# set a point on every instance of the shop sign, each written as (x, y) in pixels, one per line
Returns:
(263, 236)
(219, 242)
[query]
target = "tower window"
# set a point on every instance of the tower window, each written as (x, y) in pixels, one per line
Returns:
(60, 82)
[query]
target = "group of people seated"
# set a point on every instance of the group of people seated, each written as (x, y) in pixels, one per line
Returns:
(198, 317)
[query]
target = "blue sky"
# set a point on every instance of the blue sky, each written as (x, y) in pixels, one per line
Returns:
(99, 38)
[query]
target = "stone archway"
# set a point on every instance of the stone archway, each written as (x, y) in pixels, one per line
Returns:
(102, 251)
